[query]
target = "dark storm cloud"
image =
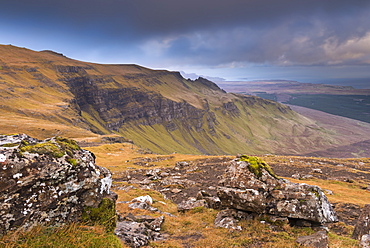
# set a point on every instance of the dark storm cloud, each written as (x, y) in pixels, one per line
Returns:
(208, 32)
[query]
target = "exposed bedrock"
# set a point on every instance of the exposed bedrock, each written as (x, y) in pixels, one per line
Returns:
(51, 182)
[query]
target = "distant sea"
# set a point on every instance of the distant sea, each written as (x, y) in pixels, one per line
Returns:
(358, 83)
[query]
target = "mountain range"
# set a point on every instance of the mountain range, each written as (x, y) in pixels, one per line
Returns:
(45, 94)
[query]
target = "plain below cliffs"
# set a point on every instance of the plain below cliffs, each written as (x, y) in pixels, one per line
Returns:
(52, 182)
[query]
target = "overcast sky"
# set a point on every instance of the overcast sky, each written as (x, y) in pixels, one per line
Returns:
(322, 41)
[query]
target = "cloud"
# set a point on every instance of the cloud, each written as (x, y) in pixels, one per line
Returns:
(208, 33)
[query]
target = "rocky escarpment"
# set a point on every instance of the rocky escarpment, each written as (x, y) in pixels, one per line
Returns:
(113, 105)
(51, 182)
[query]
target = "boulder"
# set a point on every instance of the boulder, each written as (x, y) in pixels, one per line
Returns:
(316, 240)
(365, 241)
(250, 185)
(229, 219)
(52, 182)
(362, 226)
(138, 231)
(191, 203)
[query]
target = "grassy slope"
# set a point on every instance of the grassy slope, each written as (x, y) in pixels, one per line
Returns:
(37, 101)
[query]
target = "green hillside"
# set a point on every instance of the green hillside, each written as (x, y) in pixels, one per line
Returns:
(46, 94)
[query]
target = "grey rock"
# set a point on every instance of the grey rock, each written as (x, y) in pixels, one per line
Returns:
(316, 240)
(156, 224)
(182, 164)
(138, 231)
(47, 182)
(228, 219)
(191, 203)
(362, 226)
(241, 189)
(365, 241)
(317, 170)
(212, 201)
(133, 233)
(142, 205)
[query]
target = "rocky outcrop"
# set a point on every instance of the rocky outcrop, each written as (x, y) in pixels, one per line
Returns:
(362, 226)
(120, 105)
(139, 230)
(250, 185)
(317, 240)
(51, 182)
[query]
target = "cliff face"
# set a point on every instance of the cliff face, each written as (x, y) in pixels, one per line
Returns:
(158, 110)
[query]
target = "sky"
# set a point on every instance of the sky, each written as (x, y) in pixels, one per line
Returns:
(316, 41)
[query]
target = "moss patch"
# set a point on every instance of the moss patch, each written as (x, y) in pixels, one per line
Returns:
(67, 144)
(57, 148)
(256, 165)
(44, 148)
(104, 215)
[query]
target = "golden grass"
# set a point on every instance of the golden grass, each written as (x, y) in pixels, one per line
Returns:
(122, 156)
(343, 192)
(39, 128)
(69, 236)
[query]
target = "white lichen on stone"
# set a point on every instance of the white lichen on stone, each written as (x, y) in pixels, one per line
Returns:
(2, 158)
(106, 183)
(17, 176)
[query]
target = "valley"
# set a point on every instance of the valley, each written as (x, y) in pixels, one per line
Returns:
(47, 94)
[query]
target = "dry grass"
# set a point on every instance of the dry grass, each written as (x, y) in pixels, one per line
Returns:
(70, 236)
(120, 157)
(343, 192)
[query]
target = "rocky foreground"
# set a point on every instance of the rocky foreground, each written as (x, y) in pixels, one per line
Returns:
(55, 182)
(240, 191)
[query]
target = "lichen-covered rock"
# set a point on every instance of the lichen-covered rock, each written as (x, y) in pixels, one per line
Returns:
(255, 188)
(365, 241)
(137, 231)
(362, 226)
(229, 218)
(50, 182)
(191, 203)
(316, 240)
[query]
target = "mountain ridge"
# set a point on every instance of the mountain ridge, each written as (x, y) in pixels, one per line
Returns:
(46, 93)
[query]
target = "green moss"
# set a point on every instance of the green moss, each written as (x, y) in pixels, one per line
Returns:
(44, 148)
(57, 148)
(256, 165)
(104, 214)
(9, 145)
(72, 161)
(67, 144)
